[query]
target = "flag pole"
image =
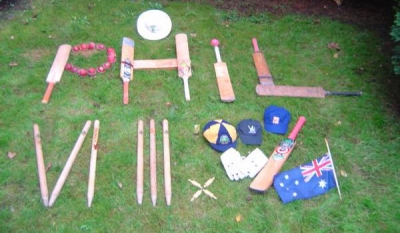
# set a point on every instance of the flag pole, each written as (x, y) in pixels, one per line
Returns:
(333, 166)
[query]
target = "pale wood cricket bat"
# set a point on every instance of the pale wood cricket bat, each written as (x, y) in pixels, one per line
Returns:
(56, 70)
(68, 165)
(140, 162)
(183, 61)
(264, 75)
(93, 160)
(126, 72)
(167, 163)
(223, 80)
(40, 165)
(299, 91)
(265, 177)
(153, 163)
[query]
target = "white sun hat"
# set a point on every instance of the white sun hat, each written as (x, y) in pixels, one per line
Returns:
(154, 25)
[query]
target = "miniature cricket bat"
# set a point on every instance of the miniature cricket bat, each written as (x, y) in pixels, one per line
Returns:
(183, 61)
(264, 75)
(126, 72)
(265, 177)
(56, 70)
(223, 80)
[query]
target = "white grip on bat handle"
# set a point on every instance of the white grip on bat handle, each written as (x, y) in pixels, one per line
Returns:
(217, 54)
(186, 88)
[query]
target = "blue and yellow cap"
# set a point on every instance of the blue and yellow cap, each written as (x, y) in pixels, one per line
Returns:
(220, 134)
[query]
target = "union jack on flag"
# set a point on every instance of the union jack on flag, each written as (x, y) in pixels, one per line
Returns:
(316, 167)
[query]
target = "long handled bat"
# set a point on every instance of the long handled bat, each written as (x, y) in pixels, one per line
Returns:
(68, 165)
(264, 76)
(93, 158)
(56, 70)
(40, 165)
(293, 91)
(167, 163)
(126, 72)
(223, 80)
(183, 59)
(265, 177)
(153, 163)
(140, 162)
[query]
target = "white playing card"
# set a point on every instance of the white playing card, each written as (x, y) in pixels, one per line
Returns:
(254, 162)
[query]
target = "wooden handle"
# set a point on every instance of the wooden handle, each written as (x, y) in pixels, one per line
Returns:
(167, 163)
(48, 92)
(126, 93)
(93, 160)
(153, 163)
(139, 177)
(297, 128)
(40, 165)
(255, 45)
(68, 165)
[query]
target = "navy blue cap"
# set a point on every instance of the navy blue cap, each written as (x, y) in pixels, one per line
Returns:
(250, 132)
(220, 134)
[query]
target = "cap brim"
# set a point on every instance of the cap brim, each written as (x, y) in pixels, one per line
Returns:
(163, 22)
(251, 140)
(223, 148)
(281, 129)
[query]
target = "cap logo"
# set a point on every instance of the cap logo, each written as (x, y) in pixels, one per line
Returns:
(275, 120)
(252, 129)
(224, 139)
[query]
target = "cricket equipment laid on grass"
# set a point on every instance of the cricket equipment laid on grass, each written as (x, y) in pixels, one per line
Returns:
(154, 25)
(93, 160)
(265, 177)
(56, 70)
(153, 163)
(183, 59)
(223, 80)
(264, 76)
(140, 162)
(167, 163)
(40, 165)
(293, 91)
(126, 72)
(68, 165)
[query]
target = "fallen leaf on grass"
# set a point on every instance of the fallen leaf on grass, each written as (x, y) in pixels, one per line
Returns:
(336, 55)
(196, 129)
(333, 45)
(120, 185)
(238, 218)
(338, 123)
(343, 173)
(11, 155)
(13, 64)
(48, 167)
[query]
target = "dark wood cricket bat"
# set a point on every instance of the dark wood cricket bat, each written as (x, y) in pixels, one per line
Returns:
(126, 72)
(264, 75)
(265, 177)
(223, 80)
(299, 91)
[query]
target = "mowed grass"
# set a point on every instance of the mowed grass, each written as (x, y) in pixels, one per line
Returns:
(363, 132)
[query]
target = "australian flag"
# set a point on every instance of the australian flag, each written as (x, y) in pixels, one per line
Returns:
(306, 181)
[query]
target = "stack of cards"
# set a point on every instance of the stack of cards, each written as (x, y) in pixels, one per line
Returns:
(238, 168)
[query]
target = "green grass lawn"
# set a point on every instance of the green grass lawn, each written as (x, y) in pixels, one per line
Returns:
(363, 132)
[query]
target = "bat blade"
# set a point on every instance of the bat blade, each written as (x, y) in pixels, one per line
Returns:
(56, 70)
(224, 82)
(126, 71)
(290, 91)
(265, 177)
(263, 73)
(183, 61)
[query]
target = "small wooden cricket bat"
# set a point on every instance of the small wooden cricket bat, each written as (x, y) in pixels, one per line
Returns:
(265, 177)
(56, 70)
(299, 91)
(183, 61)
(126, 72)
(223, 80)
(264, 75)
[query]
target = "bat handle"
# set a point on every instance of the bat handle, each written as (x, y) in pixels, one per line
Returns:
(297, 128)
(48, 92)
(126, 93)
(186, 88)
(343, 93)
(255, 45)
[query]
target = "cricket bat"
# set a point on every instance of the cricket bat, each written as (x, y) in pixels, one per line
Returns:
(56, 70)
(265, 177)
(126, 72)
(223, 80)
(299, 91)
(264, 75)
(183, 61)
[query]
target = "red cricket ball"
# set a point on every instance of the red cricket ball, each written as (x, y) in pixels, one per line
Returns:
(91, 45)
(76, 48)
(214, 42)
(107, 65)
(111, 58)
(84, 46)
(101, 47)
(101, 69)
(110, 50)
(91, 71)
(68, 66)
(82, 72)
